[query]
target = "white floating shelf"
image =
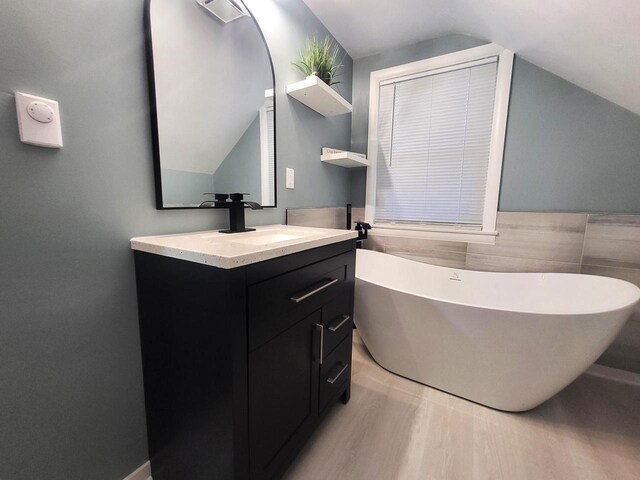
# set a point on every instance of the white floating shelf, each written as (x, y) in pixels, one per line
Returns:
(319, 96)
(343, 158)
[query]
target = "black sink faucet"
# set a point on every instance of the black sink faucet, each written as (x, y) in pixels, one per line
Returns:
(235, 203)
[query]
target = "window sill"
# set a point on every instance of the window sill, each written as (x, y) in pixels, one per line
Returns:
(449, 235)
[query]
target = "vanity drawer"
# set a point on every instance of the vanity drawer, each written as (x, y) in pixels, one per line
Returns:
(337, 321)
(335, 371)
(278, 303)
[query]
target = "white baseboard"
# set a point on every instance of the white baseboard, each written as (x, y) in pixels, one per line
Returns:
(616, 374)
(143, 472)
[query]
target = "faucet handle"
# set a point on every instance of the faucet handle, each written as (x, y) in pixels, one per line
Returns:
(219, 197)
(237, 197)
(252, 205)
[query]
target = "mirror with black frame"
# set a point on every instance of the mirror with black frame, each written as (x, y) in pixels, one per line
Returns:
(212, 103)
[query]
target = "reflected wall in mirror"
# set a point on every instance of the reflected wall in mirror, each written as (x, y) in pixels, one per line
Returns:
(213, 109)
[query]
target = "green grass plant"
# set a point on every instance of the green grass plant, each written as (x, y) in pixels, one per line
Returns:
(320, 58)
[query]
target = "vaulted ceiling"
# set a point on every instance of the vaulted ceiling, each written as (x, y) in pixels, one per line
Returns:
(592, 43)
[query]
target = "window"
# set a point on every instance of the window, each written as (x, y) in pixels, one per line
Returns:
(436, 138)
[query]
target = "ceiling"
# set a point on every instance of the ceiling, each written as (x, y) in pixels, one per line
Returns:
(592, 43)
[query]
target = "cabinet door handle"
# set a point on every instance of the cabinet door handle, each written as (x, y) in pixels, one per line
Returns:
(334, 378)
(326, 283)
(341, 321)
(319, 344)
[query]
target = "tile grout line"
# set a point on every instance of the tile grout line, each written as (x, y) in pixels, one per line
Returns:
(612, 267)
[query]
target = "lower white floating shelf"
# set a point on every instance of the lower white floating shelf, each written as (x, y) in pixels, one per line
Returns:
(345, 159)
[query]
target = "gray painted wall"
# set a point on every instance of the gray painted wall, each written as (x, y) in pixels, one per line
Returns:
(71, 399)
(566, 149)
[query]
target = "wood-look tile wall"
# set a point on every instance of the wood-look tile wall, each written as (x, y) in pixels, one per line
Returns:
(596, 244)
(335, 217)
(541, 242)
(612, 249)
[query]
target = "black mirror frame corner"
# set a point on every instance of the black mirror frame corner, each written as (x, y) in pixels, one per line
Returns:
(154, 112)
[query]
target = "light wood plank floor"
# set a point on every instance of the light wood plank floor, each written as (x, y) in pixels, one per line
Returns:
(394, 428)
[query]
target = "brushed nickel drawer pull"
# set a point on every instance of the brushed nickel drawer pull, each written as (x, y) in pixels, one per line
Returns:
(318, 344)
(333, 379)
(344, 319)
(321, 343)
(299, 297)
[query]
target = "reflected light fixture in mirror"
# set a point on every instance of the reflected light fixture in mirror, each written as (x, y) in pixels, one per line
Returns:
(225, 10)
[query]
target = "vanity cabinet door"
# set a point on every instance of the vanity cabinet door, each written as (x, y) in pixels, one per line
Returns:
(283, 396)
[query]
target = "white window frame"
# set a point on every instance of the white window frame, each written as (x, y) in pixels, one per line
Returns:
(496, 153)
(267, 187)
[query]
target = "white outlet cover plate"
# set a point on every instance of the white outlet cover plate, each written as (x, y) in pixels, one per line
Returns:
(290, 178)
(35, 132)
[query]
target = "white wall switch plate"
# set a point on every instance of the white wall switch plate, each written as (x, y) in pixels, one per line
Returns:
(290, 180)
(38, 121)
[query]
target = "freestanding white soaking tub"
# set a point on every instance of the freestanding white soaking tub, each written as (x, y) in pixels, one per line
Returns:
(506, 340)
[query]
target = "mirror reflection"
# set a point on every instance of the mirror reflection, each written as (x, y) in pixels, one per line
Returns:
(214, 107)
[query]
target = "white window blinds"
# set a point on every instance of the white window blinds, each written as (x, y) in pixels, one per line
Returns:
(434, 136)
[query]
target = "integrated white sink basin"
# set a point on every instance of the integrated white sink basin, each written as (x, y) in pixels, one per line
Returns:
(236, 249)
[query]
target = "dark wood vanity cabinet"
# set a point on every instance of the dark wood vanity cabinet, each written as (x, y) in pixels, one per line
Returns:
(241, 365)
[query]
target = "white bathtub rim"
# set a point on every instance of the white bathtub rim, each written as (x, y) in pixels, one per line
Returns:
(388, 285)
(506, 310)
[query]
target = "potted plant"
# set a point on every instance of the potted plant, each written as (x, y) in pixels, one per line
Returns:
(320, 58)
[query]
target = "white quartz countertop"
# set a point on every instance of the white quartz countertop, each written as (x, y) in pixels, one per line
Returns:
(232, 250)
